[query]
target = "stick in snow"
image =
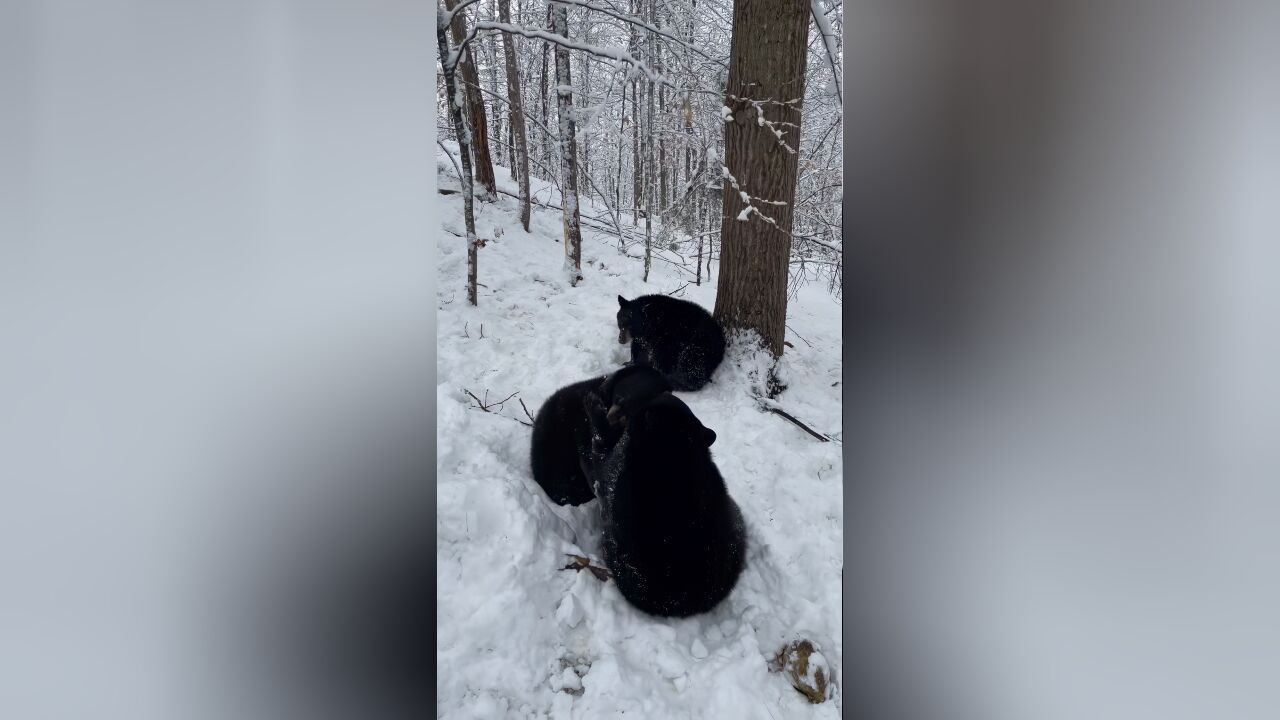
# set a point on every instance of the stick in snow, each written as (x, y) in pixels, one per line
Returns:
(795, 422)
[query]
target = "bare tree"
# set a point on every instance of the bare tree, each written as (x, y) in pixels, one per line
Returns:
(448, 66)
(764, 95)
(673, 56)
(568, 148)
(479, 123)
(516, 114)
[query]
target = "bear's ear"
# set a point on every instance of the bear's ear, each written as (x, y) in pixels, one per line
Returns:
(622, 302)
(708, 436)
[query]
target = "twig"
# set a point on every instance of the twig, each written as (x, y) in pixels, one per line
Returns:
(797, 423)
(673, 292)
(793, 332)
(487, 406)
(451, 158)
(526, 411)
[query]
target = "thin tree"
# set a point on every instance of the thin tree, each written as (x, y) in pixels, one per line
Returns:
(637, 170)
(516, 115)
(568, 148)
(490, 48)
(479, 123)
(542, 91)
(454, 95)
(764, 93)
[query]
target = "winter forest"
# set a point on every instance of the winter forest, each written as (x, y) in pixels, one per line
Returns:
(590, 151)
(626, 105)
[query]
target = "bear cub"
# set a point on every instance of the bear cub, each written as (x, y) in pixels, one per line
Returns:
(674, 538)
(562, 434)
(678, 338)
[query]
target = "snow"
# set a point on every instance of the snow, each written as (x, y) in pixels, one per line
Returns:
(829, 37)
(612, 53)
(517, 635)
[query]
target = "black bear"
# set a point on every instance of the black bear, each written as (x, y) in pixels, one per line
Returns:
(674, 539)
(629, 389)
(561, 432)
(678, 338)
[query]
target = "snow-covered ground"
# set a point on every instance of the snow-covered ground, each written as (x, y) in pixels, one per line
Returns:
(519, 636)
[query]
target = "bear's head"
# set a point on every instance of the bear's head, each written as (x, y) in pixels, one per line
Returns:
(669, 420)
(630, 389)
(624, 320)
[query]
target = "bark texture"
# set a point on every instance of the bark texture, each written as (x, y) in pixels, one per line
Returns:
(488, 189)
(766, 75)
(455, 96)
(568, 148)
(521, 165)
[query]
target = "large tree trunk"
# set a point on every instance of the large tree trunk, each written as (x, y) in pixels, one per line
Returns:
(455, 100)
(479, 123)
(517, 115)
(766, 64)
(568, 148)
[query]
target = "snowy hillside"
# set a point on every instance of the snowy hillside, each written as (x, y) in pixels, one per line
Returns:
(518, 635)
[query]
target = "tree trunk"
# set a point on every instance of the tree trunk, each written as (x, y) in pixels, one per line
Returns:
(697, 278)
(637, 169)
(766, 63)
(662, 113)
(568, 149)
(584, 103)
(479, 123)
(455, 100)
(617, 185)
(546, 115)
(648, 184)
(633, 47)
(490, 45)
(516, 114)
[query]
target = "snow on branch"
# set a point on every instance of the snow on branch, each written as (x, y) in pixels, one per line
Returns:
(829, 42)
(445, 17)
(749, 201)
(773, 125)
(617, 54)
(641, 23)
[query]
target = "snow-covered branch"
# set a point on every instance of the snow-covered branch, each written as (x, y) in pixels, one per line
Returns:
(647, 26)
(444, 16)
(617, 54)
(749, 202)
(829, 42)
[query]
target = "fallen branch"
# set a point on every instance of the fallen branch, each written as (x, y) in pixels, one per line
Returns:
(793, 332)
(451, 159)
(526, 411)
(487, 406)
(769, 408)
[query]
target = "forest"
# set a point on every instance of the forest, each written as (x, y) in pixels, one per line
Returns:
(630, 105)
(599, 162)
